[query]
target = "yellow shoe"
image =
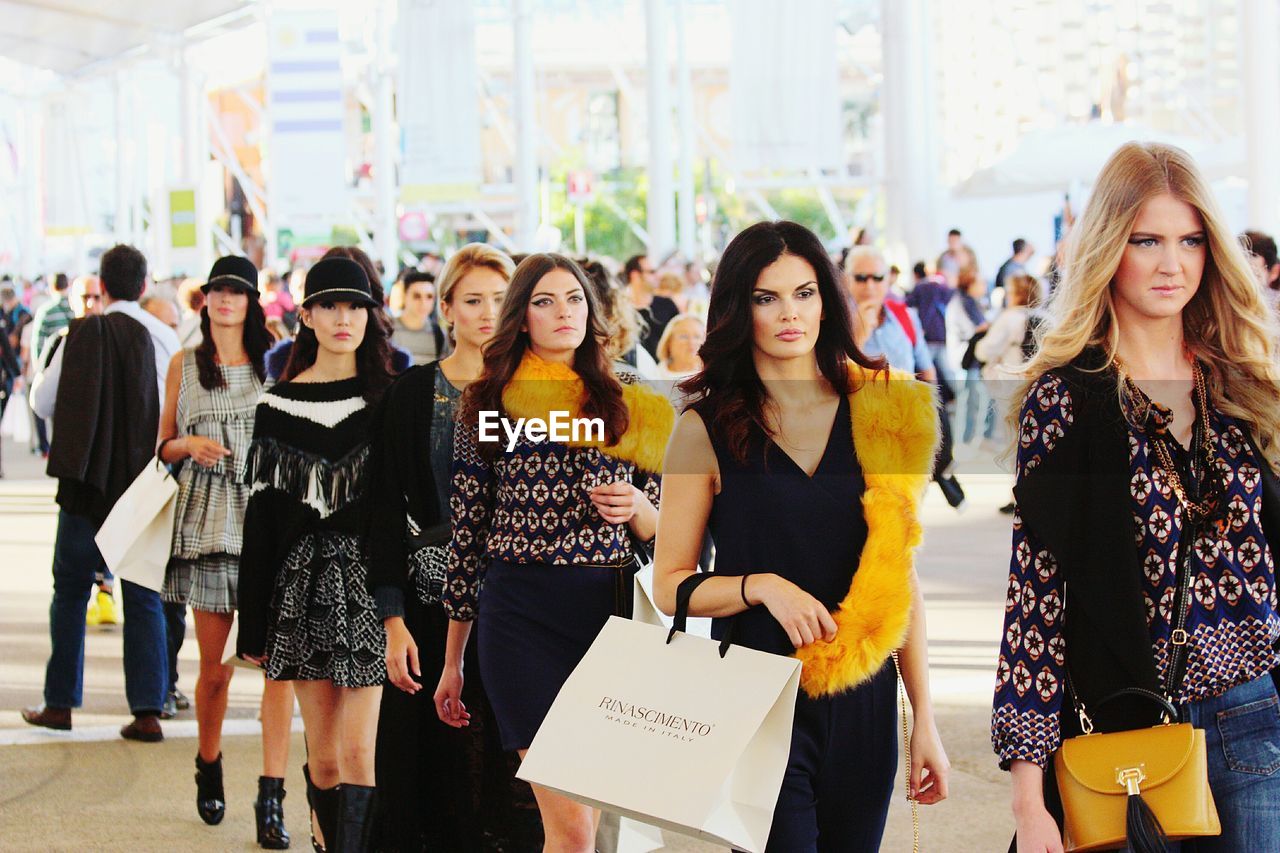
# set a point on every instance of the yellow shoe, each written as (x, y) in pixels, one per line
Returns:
(91, 616)
(107, 609)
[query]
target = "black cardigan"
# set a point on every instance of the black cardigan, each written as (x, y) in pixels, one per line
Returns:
(403, 485)
(1077, 502)
(106, 413)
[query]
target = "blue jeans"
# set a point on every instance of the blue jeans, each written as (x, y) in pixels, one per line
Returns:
(976, 414)
(1242, 733)
(146, 669)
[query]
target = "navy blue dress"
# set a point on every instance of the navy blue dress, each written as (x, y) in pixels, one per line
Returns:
(770, 516)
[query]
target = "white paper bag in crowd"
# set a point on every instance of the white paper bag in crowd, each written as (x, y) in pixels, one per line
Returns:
(624, 835)
(646, 611)
(136, 539)
(671, 735)
(16, 423)
(229, 650)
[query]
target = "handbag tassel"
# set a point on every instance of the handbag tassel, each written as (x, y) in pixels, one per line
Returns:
(1142, 827)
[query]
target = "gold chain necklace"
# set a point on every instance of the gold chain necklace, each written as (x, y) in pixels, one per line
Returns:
(1196, 511)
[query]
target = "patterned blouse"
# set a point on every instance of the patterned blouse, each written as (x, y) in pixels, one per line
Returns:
(531, 505)
(1233, 620)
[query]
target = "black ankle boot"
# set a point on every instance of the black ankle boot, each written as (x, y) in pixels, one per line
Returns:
(211, 802)
(355, 824)
(269, 812)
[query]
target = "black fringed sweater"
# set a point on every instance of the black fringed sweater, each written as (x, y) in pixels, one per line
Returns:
(307, 473)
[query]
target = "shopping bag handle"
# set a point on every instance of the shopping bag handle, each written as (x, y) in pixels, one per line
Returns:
(681, 619)
(162, 466)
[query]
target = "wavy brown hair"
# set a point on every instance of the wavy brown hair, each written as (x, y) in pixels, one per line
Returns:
(503, 354)
(728, 390)
(255, 337)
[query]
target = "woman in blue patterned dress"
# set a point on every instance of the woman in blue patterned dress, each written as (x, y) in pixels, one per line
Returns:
(548, 523)
(1147, 502)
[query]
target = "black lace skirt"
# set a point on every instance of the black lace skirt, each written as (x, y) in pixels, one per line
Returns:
(325, 624)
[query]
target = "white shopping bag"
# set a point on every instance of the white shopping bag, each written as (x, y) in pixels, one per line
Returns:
(229, 657)
(644, 610)
(623, 834)
(16, 423)
(671, 734)
(137, 537)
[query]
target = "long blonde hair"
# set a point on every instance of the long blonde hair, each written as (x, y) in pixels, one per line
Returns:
(470, 257)
(1226, 325)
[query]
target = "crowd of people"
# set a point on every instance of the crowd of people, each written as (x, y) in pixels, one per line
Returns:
(343, 524)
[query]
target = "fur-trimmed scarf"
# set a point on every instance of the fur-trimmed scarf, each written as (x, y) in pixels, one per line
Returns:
(540, 387)
(895, 435)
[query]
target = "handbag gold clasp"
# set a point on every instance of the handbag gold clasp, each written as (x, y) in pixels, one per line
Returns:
(1180, 637)
(1086, 724)
(1131, 778)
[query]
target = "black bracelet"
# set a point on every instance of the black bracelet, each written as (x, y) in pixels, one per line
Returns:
(744, 592)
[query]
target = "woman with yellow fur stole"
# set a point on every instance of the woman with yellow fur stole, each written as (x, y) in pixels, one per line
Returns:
(555, 475)
(807, 460)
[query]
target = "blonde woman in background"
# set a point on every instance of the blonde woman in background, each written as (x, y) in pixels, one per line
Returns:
(678, 347)
(1146, 453)
(671, 285)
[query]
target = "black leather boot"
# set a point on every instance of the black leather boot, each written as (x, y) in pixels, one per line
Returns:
(355, 824)
(268, 809)
(322, 805)
(324, 801)
(211, 802)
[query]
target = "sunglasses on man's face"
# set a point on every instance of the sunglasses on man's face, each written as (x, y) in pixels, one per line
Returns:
(864, 277)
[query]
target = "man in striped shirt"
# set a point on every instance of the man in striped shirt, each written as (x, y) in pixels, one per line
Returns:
(51, 318)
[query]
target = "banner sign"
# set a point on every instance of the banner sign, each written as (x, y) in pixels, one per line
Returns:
(304, 117)
(784, 85)
(438, 101)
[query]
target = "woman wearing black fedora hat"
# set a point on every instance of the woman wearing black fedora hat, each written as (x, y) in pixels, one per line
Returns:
(306, 614)
(205, 429)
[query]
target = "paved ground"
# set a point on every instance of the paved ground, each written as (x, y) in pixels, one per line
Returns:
(90, 790)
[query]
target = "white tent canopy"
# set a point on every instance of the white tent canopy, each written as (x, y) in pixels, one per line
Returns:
(70, 36)
(1055, 159)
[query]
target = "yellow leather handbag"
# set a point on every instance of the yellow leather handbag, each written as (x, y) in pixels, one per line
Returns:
(1136, 788)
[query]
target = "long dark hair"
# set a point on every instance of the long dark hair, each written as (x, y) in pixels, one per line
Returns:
(502, 355)
(255, 337)
(728, 389)
(373, 356)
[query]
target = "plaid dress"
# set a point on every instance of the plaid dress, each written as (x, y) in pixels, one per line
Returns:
(209, 520)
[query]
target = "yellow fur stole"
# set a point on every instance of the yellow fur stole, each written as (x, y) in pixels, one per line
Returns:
(895, 434)
(540, 387)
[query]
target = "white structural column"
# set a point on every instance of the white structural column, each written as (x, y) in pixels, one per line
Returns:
(386, 230)
(195, 154)
(33, 170)
(527, 199)
(685, 118)
(909, 157)
(124, 210)
(1259, 25)
(661, 203)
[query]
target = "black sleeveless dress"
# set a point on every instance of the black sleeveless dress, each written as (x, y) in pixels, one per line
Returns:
(770, 516)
